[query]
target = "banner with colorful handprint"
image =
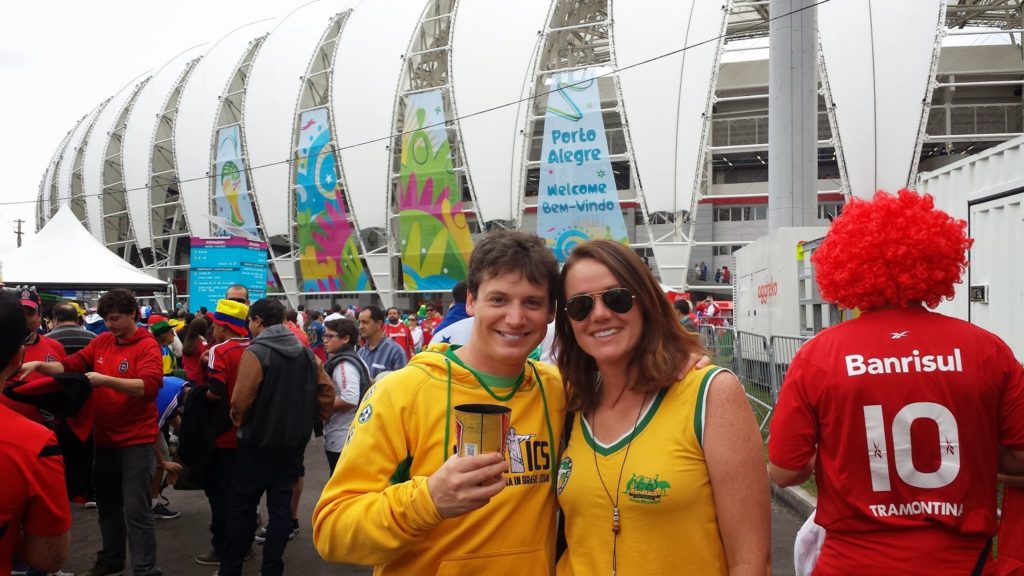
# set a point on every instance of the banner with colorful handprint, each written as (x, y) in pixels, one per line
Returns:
(578, 199)
(230, 187)
(328, 250)
(434, 234)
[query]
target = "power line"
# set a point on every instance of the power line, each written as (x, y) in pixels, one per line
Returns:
(389, 137)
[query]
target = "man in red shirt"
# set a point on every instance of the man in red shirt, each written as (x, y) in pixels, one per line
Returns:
(125, 368)
(399, 332)
(232, 336)
(35, 518)
(430, 323)
(900, 412)
(37, 347)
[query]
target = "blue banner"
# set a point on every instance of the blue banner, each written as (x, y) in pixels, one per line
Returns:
(577, 200)
(218, 263)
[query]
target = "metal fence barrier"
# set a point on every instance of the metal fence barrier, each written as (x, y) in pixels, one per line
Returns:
(759, 362)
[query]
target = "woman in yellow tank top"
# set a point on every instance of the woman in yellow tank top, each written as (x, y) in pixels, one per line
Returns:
(664, 472)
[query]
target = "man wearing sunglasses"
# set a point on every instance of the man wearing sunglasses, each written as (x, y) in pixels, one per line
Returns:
(401, 497)
(238, 293)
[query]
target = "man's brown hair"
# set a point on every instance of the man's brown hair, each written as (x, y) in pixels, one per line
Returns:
(665, 346)
(513, 251)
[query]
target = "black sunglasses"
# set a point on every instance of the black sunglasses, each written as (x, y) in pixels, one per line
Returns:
(237, 299)
(618, 300)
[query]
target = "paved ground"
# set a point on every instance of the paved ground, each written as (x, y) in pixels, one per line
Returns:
(181, 539)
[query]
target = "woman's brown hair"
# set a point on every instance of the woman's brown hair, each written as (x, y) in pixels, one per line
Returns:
(665, 346)
(196, 328)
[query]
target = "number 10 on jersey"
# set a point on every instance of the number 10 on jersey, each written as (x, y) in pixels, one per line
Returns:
(878, 457)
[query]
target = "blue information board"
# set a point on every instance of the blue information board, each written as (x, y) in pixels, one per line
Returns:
(218, 263)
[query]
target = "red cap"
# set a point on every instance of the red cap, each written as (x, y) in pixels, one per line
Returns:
(29, 298)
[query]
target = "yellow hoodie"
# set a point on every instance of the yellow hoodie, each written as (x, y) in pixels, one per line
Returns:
(376, 509)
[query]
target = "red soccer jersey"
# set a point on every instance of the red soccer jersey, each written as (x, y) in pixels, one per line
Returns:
(401, 335)
(123, 420)
(224, 360)
(298, 333)
(44, 349)
(33, 498)
(194, 371)
(429, 324)
(905, 410)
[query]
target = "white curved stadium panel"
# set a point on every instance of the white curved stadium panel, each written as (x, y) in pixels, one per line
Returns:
(96, 152)
(490, 66)
(878, 98)
(67, 165)
(271, 98)
(137, 146)
(666, 100)
(50, 179)
(196, 120)
(44, 190)
(367, 72)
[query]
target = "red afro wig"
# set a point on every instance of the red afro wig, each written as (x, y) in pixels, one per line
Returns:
(891, 251)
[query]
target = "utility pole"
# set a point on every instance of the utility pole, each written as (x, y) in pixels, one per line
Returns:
(17, 231)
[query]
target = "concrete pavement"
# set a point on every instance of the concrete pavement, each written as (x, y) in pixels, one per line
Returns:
(179, 540)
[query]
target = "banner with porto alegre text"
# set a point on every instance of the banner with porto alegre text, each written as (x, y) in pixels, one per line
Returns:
(577, 200)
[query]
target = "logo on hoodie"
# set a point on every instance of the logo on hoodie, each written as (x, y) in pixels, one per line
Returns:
(365, 414)
(123, 366)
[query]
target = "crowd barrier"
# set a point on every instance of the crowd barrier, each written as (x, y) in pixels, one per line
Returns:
(759, 362)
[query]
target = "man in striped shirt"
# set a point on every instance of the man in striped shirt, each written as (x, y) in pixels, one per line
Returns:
(68, 329)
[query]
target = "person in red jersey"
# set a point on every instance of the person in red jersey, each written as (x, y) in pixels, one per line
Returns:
(35, 518)
(900, 412)
(37, 347)
(430, 323)
(399, 332)
(193, 349)
(125, 368)
(232, 336)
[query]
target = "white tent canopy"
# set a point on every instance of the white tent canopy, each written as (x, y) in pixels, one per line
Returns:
(64, 255)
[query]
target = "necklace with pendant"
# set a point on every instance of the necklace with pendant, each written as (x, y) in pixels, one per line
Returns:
(616, 524)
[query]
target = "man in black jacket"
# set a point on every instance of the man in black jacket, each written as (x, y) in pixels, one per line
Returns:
(280, 389)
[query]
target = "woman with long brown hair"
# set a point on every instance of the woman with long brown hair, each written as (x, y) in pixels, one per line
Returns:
(192, 351)
(664, 471)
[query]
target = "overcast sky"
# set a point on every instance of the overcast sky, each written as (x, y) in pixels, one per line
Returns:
(60, 59)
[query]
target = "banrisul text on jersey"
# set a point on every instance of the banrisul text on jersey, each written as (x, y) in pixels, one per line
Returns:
(857, 364)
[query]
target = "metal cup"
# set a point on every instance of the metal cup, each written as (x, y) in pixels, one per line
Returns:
(481, 428)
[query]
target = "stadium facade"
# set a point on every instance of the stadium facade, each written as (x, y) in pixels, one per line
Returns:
(369, 143)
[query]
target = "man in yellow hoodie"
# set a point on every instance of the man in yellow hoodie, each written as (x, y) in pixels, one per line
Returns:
(400, 498)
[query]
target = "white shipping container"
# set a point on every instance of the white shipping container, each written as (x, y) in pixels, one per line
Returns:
(995, 276)
(767, 287)
(987, 190)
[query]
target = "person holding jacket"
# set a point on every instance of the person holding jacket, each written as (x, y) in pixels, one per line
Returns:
(401, 498)
(125, 368)
(35, 518)
(280, 388)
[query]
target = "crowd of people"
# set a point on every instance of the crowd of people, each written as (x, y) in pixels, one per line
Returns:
(630, 452)
(700, 274)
